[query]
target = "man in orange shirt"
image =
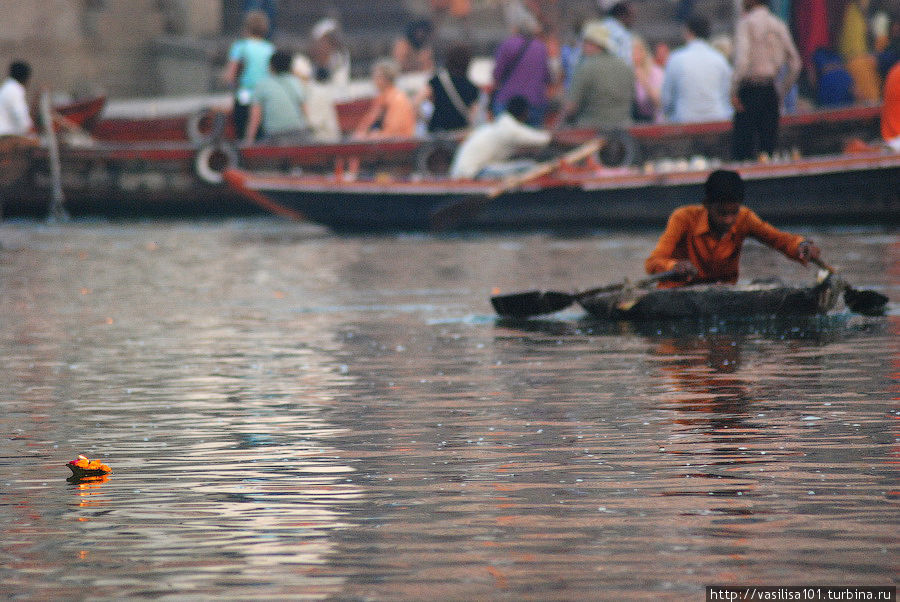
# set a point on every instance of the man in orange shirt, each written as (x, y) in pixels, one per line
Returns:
(703, 242)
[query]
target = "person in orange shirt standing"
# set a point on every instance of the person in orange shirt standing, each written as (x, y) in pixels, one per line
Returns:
(890, 110)
(703, 242)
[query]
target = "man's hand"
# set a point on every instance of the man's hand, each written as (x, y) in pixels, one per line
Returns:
(685, 269)
(737, 104)
(807, 250)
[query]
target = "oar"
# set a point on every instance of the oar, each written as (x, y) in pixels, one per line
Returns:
(456, 211)
(866, 302)
(535, 303)
(58, 211)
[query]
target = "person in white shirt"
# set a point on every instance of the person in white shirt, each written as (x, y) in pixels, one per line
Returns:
(320, 108)
(483, 153)
(330, 56)
(697, 79)
(15, 120)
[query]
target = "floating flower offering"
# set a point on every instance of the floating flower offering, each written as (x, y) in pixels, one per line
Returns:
(82, 467)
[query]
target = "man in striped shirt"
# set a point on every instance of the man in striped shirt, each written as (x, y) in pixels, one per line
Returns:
(766, 65)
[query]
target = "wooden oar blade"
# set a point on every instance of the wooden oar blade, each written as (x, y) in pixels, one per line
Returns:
(866, 302)
(535, 302)
(531, 303)
(869, 303)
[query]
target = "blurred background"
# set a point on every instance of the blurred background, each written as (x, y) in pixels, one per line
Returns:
(142, 48)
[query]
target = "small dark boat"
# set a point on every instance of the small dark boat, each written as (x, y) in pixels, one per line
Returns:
(715, 301)
(83, 467)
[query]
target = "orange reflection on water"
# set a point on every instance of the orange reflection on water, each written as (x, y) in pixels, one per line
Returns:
(703, 372)
(86, 488)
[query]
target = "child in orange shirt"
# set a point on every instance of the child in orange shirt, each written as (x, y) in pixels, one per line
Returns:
(703, 242)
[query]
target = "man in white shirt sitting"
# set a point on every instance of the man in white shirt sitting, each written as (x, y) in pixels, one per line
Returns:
(697, 81)
(484, 153)
(15, 120)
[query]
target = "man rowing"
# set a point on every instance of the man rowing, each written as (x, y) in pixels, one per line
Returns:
(485, 153)
(703, 242)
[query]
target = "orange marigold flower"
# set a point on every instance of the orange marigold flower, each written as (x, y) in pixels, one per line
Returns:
(82, 466)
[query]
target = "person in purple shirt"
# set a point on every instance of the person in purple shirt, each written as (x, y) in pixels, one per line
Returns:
(521, 68)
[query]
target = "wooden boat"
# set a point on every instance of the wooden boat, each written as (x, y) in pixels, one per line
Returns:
(69, 119)
(715, 301)
(168, 164)
(199, 125)
(808, 133)
(201, 119)
(160, 178)
(83, 113)
(116, 180)
(818, 132)
(811, 133)
(859, 188)
(15, 150)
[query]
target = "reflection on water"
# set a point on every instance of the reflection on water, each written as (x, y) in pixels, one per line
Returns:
(291, 415)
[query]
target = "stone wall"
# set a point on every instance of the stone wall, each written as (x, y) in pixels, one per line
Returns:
(86, 47)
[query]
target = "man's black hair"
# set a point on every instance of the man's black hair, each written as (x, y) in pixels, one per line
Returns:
(458, 58)
(280, 62)
(724, 186)
(517, 106)
(699, 26)
(620, 9)
(418, 32)
(20, 71)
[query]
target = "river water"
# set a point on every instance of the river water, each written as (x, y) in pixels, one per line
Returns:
(290, 414)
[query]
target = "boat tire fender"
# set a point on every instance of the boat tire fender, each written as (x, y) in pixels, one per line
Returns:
(213, 159)
(434, 158)
(619, 150)
(205, 125)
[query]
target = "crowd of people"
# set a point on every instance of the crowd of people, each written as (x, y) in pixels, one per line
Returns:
(603, 76)
(606, 81)
(701, 243)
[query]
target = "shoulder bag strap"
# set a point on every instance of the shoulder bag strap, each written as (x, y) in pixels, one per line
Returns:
(514, 63)
(453, 94)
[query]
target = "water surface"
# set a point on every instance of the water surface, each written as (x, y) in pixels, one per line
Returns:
(290, 414)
